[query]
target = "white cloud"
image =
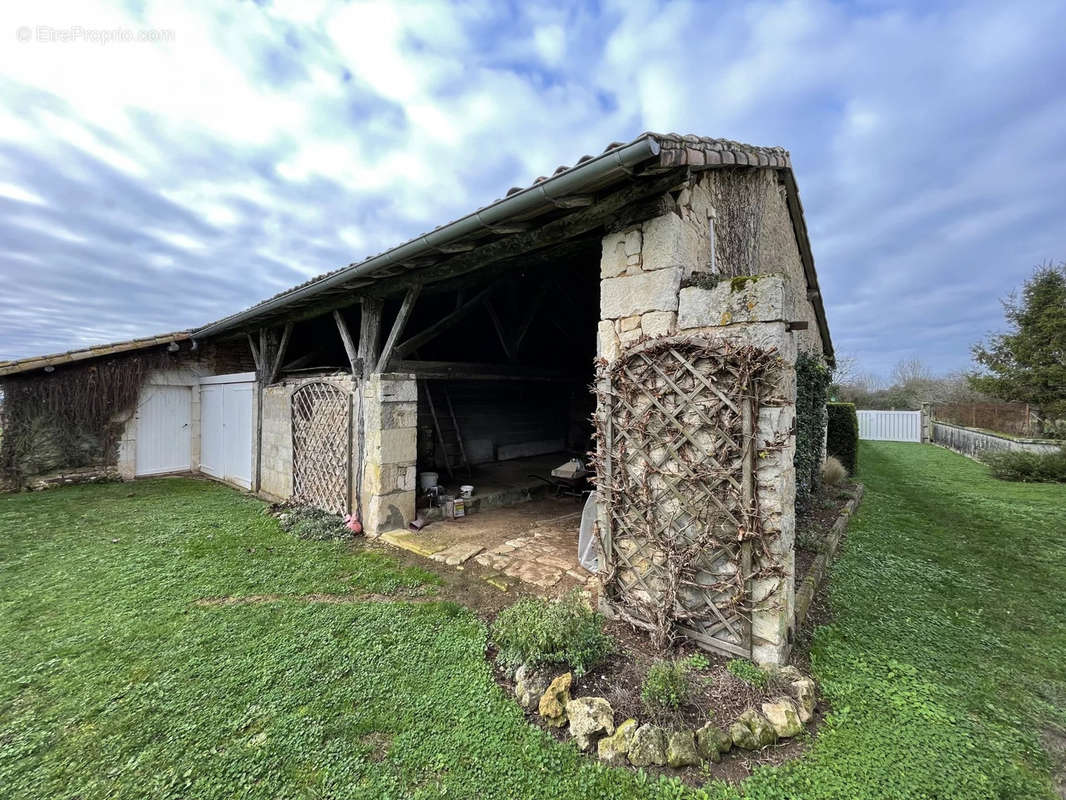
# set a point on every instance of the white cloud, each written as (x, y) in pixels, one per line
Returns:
(13, 191)
(926, 144)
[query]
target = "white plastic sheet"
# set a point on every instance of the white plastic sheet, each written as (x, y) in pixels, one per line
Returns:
(587, 549)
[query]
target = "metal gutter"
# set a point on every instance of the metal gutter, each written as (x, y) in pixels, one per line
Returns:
(540, 196)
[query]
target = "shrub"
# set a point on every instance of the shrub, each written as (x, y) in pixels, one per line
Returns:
(314, 524)
(812, 387)
(833, 472)
(747, 672)
(842, 437)
(538, 632)
(1021, 465)
(666, 686)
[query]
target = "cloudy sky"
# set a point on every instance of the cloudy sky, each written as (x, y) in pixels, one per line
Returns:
(231, 150)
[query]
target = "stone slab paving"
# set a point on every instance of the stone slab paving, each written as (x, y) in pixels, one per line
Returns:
(457, 553)
(543, 556)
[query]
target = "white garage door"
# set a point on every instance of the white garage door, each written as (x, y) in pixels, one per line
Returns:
(164, 430)
(226, 427)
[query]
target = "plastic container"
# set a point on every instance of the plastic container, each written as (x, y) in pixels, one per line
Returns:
(427, 480)
(466, 491)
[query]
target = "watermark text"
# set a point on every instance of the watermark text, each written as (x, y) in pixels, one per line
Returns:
(79, 34)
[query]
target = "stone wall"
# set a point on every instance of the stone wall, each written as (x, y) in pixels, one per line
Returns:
(644, 267)
(276, 463)
(647, 272)
(971, 442)
(390, 403)
(777, 251)
(276, 455)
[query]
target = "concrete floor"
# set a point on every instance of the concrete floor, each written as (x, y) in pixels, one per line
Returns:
(501, 483)
(532, 543)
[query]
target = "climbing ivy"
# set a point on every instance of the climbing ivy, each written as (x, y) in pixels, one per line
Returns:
(812, 387)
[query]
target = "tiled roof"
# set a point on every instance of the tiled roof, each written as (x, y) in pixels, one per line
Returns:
(676, 150)
(39, 362)
(661, 152)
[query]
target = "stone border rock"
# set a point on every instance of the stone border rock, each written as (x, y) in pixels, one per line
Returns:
(813, 579)
(590, 722)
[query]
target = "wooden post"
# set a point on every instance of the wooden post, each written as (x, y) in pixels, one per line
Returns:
(398, 325)
(747, 496)
(370, 332)
(261, 376)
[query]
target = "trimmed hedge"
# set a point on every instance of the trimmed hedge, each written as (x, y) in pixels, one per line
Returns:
(842, 438)
(812, 390)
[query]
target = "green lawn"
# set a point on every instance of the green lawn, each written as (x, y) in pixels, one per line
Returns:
(943, 665)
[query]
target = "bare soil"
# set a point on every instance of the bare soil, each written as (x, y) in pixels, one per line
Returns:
(814, 522)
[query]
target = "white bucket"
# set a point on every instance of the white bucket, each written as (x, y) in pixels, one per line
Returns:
(466, 491)
(427, 480)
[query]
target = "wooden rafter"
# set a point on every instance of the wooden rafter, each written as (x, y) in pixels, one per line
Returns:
(398, 325)
(255, 354)
(349, 345)
(433, 331)
(282, 347)
(500, 334)
(531, 314)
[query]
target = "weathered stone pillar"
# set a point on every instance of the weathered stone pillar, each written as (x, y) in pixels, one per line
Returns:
(752, 310)
(390, 407)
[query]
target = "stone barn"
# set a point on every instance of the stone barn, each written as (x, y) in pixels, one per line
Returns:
(642, 309)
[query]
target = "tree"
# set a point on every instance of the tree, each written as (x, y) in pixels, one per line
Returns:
(1028, 363)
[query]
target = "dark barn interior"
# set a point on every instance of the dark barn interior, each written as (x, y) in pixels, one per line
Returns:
(504, 359)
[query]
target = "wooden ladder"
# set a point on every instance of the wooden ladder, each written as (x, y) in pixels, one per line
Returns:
(452, 447)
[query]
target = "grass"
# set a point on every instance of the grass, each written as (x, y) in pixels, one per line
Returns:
(945, 662)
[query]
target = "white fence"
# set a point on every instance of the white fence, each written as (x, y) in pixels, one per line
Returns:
(891, 426)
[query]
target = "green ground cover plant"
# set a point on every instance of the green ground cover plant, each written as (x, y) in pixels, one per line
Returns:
(1019, 465)
(541, 633)
(943, 666)
(747, 672)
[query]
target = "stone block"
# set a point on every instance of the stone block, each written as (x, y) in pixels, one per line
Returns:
(607, 346)
(758, 298)
(658, 323)
(633, 241)
(395, 446)
(391, 388)
(637, 294)
(670, 242)
(388, 415)
(388, 478)
(383, 513)
(613, 255)
(628, 323)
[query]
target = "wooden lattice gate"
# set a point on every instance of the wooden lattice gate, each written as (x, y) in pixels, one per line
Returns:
(676, 476)
(322, 447)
